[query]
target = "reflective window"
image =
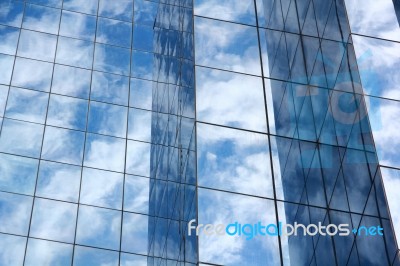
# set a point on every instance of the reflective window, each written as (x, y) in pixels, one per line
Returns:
(63, 145)
(130, 259)
(36, 45)
(110, 88)
(138, 158)
(84, 256)
(74, 52)
(227, 46)
(67, 112)
(18, 174)
(12, 12)
(15, 212)
(40, 18)
(6, 66)
(135, 233)
(27, 105)
(21, 138)
(142, 65)
(143, 38)
(71, 81)
(13, 249)
(52, 3)
(114, 32)
(106, 153)
(32, 74)
(78, 26)
(145, 12)
(141, 94)
(41, 252)
(58, 181)
(8, 42)
(99, 227)
(84, 6)
(61, 225)
(107, 119)
(121, 10)
(136, 194)
(3, 98)
(101, 188)
(391, 180)
(139, 124)
(112, 59)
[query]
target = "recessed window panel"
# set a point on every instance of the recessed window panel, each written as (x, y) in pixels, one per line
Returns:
(136, 194)
(21, 138)
(108, 119)
(99, 227)
(41, 18)
(32, 74)
(234, 160)
(121, 10)
(63, 145)
(71, 81)
(13, 249)
(58, 181)
(139, 124)
(141, 94)
(135, 233)
(36, 45)
(84, 6)
(18, 174)
(8, 42)
(61, 225)
(15, 212)
(110, 88)
(101, 188)
(112, 59)
(84, 256)
(27, 105)
(74, 52)
(12, 13)
(138, 158)
(40, 252)
(78, 25)
(6, 66)
(104, 152)
(227, 46)
(114, 32)
(67, 112)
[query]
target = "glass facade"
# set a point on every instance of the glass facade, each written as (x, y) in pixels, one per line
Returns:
(123, 121)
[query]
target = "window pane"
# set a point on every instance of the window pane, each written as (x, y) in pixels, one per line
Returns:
(41, 252)
(13, 249)
(139, 124)
(3, 98)
(122, 9)
(52, 3)
(71, 81)
(8, 42)
(138, 158)
(32, 74)
(36, 45)
(6, 66)
(112, 59)
(110, 88)
(114, 32)
(40, 18)
(11, 13)
(78, 26)
(15, 212)
(136, 194)
(135, 233)
(91, 256)
(141, 94)
(84, 6)
(74, 52)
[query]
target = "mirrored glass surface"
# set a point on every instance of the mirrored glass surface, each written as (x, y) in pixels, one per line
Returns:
(145, 12)
(6, 66)
(110, 88)
(3, 98)
(101, 188)
(37, 45)
(67, 112)
(227, 46)
(235, 11)
(84, 256)
(41, 18)
(107, 119)
(138, 158)
(8, 42)
(234, 160)
(143, 38)
(142, 65)
(104, 152)
(52, 3)
(231, 209)
(114, 32)
(136, 194)
(99, 227)
(15, 212)
(13, 249)
(230, 99)
(78, 25)
(12, 13)
(84, 6)
(139, 127)
(122, 10)
(58, 181)
(130, 259)
(32, 74)
(112, 59)
(135, 233)
(53, 220)
(46, 253)
(21, 138)
(74, 52)
(391, 181)
(71, 81)
(63, 145)
(141, 94)
(27, 105)
(18, 174)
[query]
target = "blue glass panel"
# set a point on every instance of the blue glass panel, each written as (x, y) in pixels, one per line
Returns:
(11, 13)
(74, 52)
(114, 32)
(36, 45)
(112, 59)
(84, 256)
(135, 233)
(15, 212)
(40, 18)
(78, 26)
(13, 249)
(41, 252)
(84, 6)
(71, 81)
(8, 43)
(6, 61)
(32, 74)
(110, 88)
(138, 158)
(136, 194)
(122, 10)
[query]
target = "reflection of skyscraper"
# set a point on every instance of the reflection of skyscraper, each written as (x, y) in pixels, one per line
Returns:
(121, 121)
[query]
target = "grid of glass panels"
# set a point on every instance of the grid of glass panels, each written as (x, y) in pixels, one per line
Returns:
(283, 132)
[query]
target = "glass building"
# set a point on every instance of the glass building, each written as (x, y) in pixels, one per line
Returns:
(122, 121)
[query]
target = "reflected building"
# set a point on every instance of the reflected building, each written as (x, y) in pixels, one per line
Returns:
(121, 121)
